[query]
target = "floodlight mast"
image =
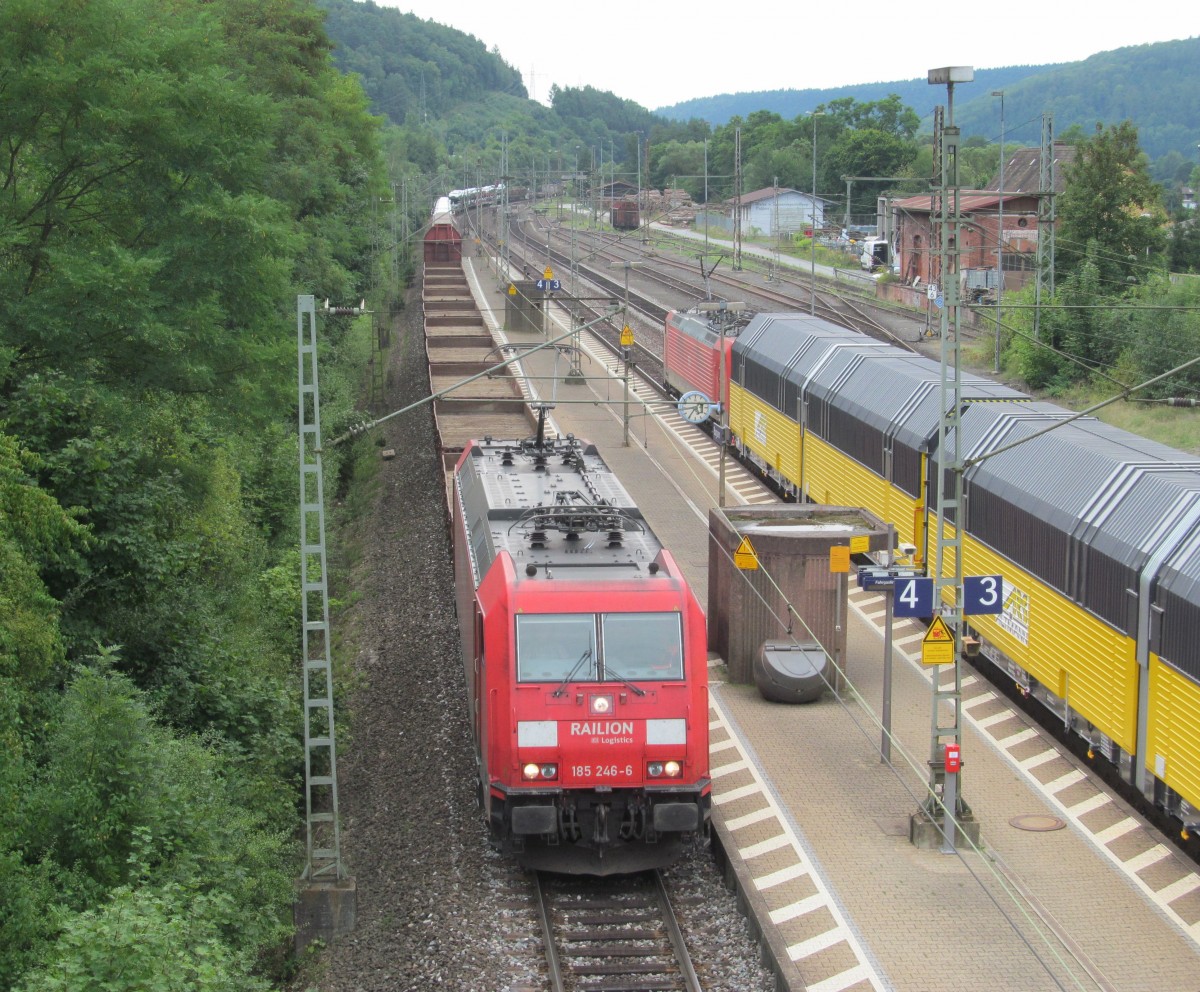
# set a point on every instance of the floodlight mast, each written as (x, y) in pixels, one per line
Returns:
(952, 811)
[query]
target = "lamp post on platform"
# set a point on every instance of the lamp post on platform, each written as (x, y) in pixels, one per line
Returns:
(1000, 235)
(705, 199)
(812, 245)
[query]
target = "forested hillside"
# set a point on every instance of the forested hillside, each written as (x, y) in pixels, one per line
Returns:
(1151, 85)
(915, 93)
(412, 69)
(173, 175)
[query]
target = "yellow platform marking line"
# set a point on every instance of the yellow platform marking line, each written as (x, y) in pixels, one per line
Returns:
(842, 932)
(1162, 898)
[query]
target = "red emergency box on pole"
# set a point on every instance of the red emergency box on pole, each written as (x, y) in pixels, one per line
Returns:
(953, 759)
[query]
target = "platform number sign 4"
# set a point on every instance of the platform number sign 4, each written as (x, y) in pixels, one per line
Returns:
(914, 597)
(983, 594)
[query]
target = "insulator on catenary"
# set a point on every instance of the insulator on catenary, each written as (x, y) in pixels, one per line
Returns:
(1176, 401)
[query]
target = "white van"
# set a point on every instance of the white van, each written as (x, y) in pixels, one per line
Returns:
(876, 254)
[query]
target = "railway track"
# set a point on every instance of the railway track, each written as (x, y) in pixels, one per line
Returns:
(568, 958)
(843, 309)
(616, 934)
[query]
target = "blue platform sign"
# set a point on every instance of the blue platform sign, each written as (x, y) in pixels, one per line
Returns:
(914, 597)
(983, 594)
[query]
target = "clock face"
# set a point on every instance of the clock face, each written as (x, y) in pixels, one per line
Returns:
(694, 407)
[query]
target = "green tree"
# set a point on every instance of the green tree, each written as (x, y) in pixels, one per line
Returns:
(867, 152)
(889, 116)
(681, 163)
(1168, 337)
(1110, 210)
(128, 158)
(174, 174)
(1185, 246)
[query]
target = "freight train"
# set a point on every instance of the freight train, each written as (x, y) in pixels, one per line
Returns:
(443, 240)
(625, 215)
(1095, 531)
(584, 648)
(586, 662)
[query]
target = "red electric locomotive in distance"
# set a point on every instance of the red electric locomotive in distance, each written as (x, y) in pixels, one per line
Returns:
(586, 662)
(692, 346)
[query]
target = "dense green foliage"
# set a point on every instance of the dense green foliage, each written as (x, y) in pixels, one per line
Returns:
(1109, 212)
(411, 69)
(915, 93)
(1151, 85)
(174, 174)
(851, 138)
(1115, 314)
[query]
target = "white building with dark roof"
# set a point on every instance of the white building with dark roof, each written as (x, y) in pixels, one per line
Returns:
(779, 210)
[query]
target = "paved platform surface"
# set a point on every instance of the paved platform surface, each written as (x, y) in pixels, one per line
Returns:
(819, 823)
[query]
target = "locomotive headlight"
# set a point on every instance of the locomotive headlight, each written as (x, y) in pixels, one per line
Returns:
(601, 705)
(664, 769)
(534, 772)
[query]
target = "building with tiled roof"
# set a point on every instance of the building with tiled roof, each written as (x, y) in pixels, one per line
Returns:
(916, 236)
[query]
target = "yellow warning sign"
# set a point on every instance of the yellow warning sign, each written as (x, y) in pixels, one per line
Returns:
(626, 337)
(512, 290)
(548, 274)
(744, 557)
(937, 648)
(839, 558)
(860, 545)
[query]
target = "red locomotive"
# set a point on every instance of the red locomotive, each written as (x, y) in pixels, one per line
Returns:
(586, 662)
(692, 345)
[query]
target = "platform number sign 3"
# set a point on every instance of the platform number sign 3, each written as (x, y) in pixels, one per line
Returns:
(914, 597)
(983, 594)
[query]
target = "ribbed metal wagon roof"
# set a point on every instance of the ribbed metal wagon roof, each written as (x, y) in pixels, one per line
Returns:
(1180, 574)
(900, 394)
(1139, 510)
(776, 338)
(1078, 473)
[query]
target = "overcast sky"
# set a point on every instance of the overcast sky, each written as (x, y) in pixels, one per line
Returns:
(664, 54)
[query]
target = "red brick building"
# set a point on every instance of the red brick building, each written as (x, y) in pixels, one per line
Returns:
(917, 237)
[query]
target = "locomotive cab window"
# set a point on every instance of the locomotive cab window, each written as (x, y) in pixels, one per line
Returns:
(553, 647)
(641, 646)
(562, 647)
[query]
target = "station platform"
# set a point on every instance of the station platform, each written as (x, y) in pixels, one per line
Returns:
(1069, 889)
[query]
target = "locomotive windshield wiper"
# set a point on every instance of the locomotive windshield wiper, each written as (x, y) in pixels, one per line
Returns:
(609, 673)
(587, 653)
